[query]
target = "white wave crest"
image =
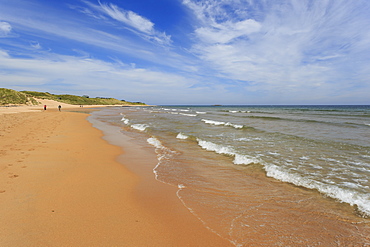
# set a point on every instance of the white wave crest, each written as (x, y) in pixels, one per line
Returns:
(155, 142)
(210, 146)
(212, 122)
(188, 115)
(182, 136)
(346, 195)
(245, 160)
(125, 120)
(343, 193)
(237, 126)
(238, 158)
(141, 127)
(249, 139)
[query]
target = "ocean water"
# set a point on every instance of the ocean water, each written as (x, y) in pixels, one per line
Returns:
(263, 175)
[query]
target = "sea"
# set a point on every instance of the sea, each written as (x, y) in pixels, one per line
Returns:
(263, 175)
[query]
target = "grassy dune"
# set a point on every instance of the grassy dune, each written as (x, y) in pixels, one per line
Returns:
(12, 97)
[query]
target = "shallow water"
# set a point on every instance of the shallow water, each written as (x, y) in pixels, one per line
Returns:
(264, 175)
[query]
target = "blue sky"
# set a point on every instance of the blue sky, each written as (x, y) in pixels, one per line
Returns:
(189, 51)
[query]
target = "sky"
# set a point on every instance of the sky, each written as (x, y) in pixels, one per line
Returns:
(192, 52)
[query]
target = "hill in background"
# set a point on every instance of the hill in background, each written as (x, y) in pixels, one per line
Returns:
(9, 96)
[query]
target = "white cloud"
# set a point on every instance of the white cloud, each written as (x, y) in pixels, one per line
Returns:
(285, 47)
(4, 54)
(68, 74)
(128, 17)
(5, 29)
(53, 28)
(36, 45)
(135, 22)
(228, 31)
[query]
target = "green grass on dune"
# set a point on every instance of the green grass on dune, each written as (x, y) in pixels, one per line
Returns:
(12, 97)
(9, 96)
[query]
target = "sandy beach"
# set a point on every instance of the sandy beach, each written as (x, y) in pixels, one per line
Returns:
(51, 105)
(62, 184)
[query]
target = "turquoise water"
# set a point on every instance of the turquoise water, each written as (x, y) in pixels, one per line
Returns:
(233, 160)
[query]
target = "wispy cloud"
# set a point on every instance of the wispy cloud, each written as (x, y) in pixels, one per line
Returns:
(53, 28)
(133, 21)
(35, 45)
(5, 29)
(63, 74)
(284, 46)
(227, 32)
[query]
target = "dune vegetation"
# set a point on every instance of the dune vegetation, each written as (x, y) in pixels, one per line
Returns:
(12, 97)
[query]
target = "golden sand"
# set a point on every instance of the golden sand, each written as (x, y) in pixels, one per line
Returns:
(61, 185)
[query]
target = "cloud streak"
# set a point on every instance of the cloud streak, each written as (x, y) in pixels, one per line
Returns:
(133, 21)
(83, 75)
(278, 46)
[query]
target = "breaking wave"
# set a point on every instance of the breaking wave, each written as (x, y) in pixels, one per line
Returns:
(212, 122)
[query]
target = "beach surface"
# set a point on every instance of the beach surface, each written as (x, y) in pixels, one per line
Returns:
(50, 105)
(62, 184)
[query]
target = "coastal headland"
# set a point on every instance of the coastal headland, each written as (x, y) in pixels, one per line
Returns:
(62, 184)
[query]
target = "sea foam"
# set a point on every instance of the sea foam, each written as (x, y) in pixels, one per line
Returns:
(141, 127)
(188, 115)
(346, 195)
(182, 136)
(238, 158)
(164, 155)
(212, 122)
(155, 142)
(125, 120)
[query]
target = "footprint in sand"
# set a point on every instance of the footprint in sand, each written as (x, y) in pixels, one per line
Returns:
(14, 176)
(2, 191)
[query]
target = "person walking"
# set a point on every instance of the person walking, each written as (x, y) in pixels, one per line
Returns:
(44, 107)
(59, 107)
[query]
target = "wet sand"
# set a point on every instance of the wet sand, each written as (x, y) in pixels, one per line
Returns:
(61, 184)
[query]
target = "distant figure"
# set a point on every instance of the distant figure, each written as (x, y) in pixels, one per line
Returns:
(44, 107)
(59, 107)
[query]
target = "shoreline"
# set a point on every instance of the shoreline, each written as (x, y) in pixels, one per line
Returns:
(62, 184)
